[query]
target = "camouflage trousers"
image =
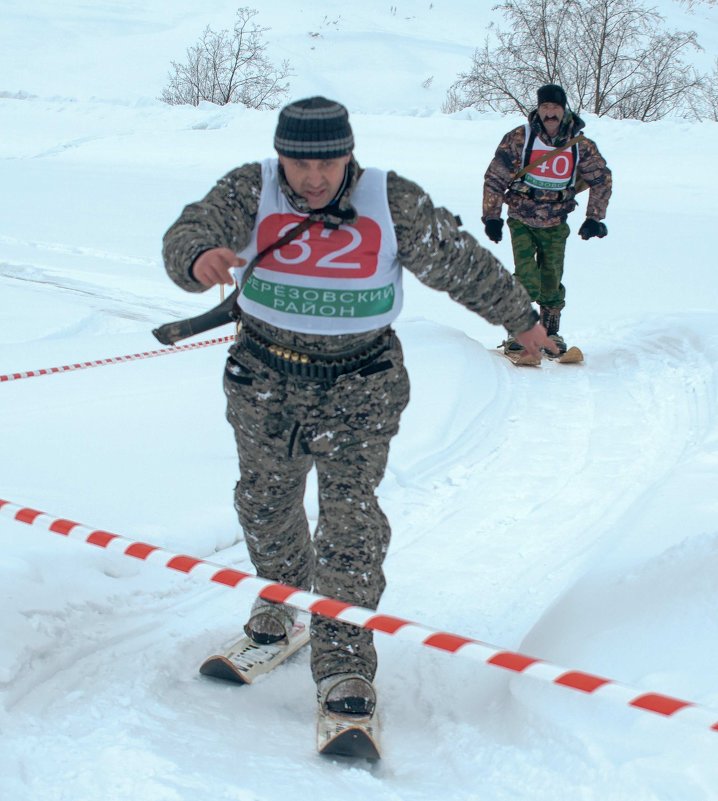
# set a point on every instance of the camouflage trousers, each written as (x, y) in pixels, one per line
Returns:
(538, 261)
(283, 427)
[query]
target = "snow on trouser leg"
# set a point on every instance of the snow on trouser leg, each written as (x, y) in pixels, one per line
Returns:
(269, 497)
(283, 427)
(352, 536)
(350, 552)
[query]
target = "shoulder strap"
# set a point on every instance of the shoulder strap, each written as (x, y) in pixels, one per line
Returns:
(546, 156)
(528, 147)
(291, 234)
(170, 333)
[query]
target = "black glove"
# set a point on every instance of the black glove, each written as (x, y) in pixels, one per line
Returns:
(493, 229)
(591, 228)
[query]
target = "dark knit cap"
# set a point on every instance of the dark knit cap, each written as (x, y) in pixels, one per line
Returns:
(551, 93)
(315, 128)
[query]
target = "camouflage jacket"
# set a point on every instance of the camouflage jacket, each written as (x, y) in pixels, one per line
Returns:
(539, 208)
(430, 244)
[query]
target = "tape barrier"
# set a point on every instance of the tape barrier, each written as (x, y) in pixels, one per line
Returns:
(115, 359)
(596, 686)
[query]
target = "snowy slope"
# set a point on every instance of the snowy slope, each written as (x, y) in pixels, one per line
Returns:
(568, 513)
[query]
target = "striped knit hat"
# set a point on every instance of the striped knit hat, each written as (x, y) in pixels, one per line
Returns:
(315, 128)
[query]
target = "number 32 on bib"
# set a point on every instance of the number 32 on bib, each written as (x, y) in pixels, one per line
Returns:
(351, 251)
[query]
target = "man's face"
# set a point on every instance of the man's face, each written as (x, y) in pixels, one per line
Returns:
(316, 180)
(550, 115)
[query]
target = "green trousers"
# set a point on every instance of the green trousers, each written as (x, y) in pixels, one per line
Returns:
(538, 261)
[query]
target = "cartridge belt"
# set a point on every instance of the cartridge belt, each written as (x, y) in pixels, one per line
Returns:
(313, 366)
(545, 195)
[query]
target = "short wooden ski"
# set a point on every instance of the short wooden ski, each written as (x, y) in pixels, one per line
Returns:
(348, 735)
(244, 661)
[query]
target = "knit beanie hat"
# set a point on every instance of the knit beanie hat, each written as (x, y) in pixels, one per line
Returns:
(315, 128)
(552, 93)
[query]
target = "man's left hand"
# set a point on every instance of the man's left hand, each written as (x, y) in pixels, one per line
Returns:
(591, 228)
(535, 340)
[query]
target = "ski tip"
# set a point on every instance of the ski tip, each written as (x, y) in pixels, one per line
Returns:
(354, 743)
(573, 355)
(347, 736)
(219, 667)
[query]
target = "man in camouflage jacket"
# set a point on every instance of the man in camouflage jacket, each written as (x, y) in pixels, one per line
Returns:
(316, 375)
(540, 200)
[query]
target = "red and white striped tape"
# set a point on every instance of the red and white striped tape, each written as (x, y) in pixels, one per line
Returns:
(597, 686)
(115, 359)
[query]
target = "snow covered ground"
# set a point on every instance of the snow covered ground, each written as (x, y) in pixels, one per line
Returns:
(568, 513)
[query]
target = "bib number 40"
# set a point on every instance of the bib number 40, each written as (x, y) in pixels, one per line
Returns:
(557, 167)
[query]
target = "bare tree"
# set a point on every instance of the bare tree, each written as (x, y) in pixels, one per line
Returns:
(613, 32)
(630, 68)
(661, 85)
(504, 78)
(610, 56)
(691, 4)
(229, 67)
(705, 100)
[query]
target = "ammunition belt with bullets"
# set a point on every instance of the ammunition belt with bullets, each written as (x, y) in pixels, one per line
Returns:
(313, 366)
(543, 195)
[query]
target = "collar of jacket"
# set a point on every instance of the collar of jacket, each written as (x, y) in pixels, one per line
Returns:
(571, 124)
(340, 211)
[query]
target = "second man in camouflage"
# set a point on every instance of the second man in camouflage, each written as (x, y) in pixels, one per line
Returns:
(537, 176)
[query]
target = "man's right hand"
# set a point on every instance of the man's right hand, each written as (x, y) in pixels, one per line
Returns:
(493, 229)
(214, 266)
(535, 340)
